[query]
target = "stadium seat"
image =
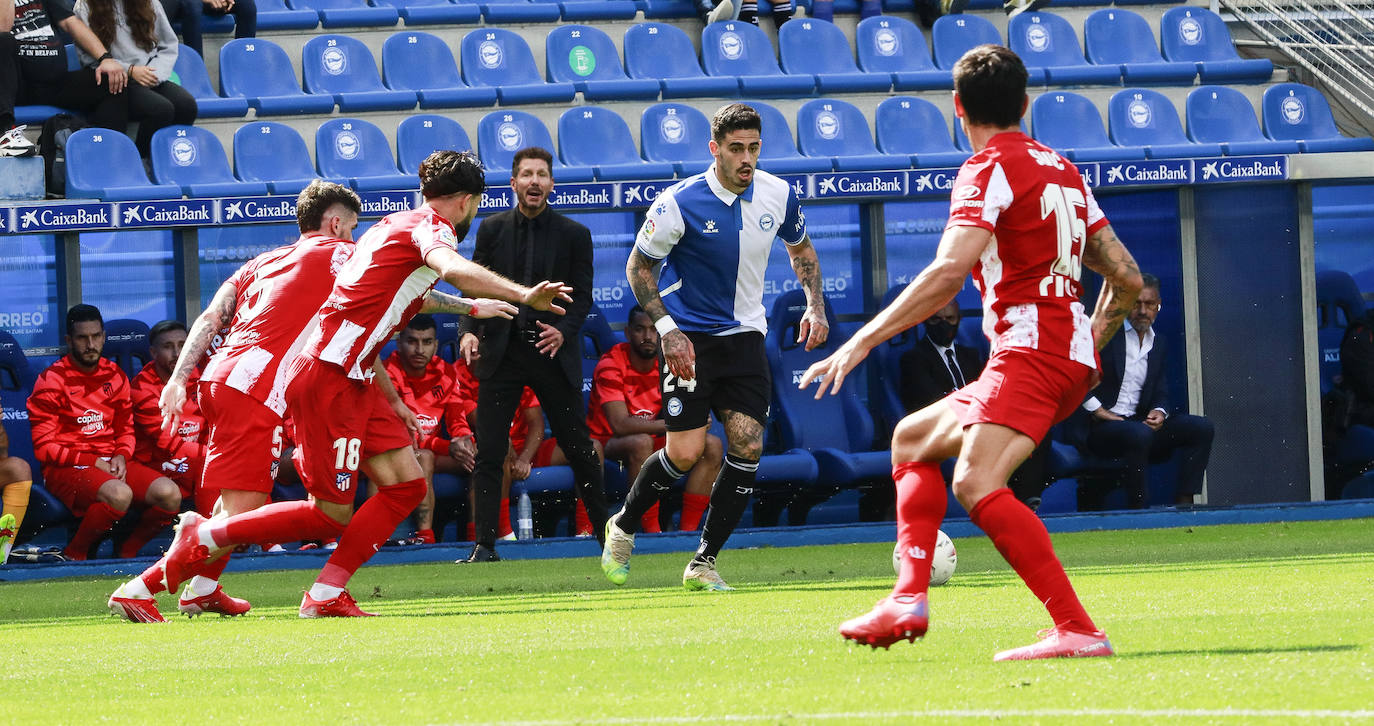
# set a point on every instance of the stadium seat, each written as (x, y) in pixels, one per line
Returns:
(265, 151)
(342, 67)
(1047, 43)
(1223, 115)
(915, 127)
(36, 114)
(357, 150)
(586, 57)
(347, 13)
(1124, 39)
(274, 15)
(126, 343)
(1070, 124)
(779, 154)
(190, 68)
(1339, 303)
(423, 63)
(678, 134)
(600, 138)
(501, 59)
(893, 45)
(193, 158)
(1292, 111)
(502, 133)
(580, 11)
(1146, 118)
(820, 50)
(888, 356)
(421, 135)
(260, 71)
(518, 11)
(104, 164)
(1197, 35)
(435, 12)
(742, 50)
(657, 51)
(954, 35)
(16, 383)
(838, 129)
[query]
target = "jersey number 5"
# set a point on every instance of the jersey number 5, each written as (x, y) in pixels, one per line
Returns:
(1062, 203)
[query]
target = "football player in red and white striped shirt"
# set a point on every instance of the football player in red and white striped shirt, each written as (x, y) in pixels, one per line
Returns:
(177, 453)
(1023, 223)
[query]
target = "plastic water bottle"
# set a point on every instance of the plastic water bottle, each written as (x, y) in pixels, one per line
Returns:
(524, 521)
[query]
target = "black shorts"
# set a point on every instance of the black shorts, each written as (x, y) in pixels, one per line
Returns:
(732, 375)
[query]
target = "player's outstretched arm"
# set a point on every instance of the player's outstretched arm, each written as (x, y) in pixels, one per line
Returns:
(213, 319)
(1104, 254)
(814, 329)
(642, 273)
(482, 307)
(475, 279)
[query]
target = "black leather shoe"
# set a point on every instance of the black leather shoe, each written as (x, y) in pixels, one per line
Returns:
(480, 553)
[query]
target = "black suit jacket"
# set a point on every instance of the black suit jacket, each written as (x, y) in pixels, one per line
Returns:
(926, 378)
(563, 254)
(1153, 392)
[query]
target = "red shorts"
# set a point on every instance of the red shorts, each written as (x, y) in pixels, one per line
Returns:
(1023, 389)
(243, 443)
(544, 454)
(337, 424)
(77, 486)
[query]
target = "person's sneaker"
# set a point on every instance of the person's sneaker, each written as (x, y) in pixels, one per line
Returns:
(507, 537)
(8, 531)
(1058, 642)
(480, 553)
(615, 554)
(894, 618)
(702, 575)
(134, 609)
(191, 605)
(1016, 7)
(724, 11)
(15, 143)
(186, 554)
(343, 606)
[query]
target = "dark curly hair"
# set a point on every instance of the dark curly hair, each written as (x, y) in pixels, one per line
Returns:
(734, 117)
(451, 172)
(138, 15)
(317, 198)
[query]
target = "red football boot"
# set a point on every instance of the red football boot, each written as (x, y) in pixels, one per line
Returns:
(343, 606)
(135, 609)
(894, 618)
(186, 555)
(1058, 642)
(215, 602)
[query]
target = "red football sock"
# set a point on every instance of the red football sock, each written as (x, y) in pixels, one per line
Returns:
(471, 532)
(503, 519)
(921, 502)
(277, 522)
(693, 506)
(425, 535)
(100, 517)
(149, 524)
(379, 516)
(152, 578)
(581, 522)
(649, 522)
(1025, 544)
(205, 500)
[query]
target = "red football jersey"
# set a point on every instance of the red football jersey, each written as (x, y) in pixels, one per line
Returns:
(279, 294)
(77, 418)
(1034, 202)
(616, 379)
(152, 445)
(436, 394)
(379, 289)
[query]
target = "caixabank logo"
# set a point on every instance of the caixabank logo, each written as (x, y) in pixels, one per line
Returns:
(1163, 171)
(1248, 168)
(933, 181)
(380, 204)
(175, 213)
(258, 209)
(497, 199)
(641, 194)
(57, 217)
(583, 196)
(861, 184)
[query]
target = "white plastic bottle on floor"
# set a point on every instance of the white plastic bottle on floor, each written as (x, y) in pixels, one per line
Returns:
(524, 519)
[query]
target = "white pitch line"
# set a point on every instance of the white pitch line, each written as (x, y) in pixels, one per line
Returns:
(1235, 713)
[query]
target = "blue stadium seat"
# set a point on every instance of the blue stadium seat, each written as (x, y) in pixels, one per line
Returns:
(193, 158)
(347, 13)
(36, 114)
(599, 138)
(274, 15)
(421, 135)
(888, 355)
(126, 343)
(1223, 115)
(342, 67)
(190, 68)
(423, 63)
(586, 57)
(435, 12)
(1292, 111)
(16, 383)
(1142, 117)
(1197, 35)
(579, 11)
(779, 154)
(837, 129)
(357, 150)
(677, 134)
(742, 50)
(103, 164)
(1123, 38)
(668, 9)
(260, 71)
(502, 133)
(1070, 124)
(518, 11)
(1339, 304)
(501, 59)
(1047, 42)
(266, 151)
(915, 127)
(888, 44)
(954, 35)
(657, 51)
(820, 50)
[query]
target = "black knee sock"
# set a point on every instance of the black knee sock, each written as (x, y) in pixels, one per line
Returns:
(729, 497)
(782, 12)
(749, 12)
(655, 476)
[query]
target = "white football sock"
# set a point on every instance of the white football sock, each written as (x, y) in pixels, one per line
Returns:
(201, 586)
(207, 539)
(320, 592)
(134, 589)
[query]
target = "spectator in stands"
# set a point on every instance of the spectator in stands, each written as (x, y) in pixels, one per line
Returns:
(15, 480)
(748, 11)
(937, 366)
(1357, 368)
(83, 435)
(178, 455)
(33, 65)
(140, 38)
(540, 350)
(189, 12)
(432, 390)
(1129, 413)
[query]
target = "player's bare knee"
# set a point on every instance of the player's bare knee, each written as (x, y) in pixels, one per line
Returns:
(116, 494)
(970, 487)
(683, 455)
(163, 493)
(14, 469)
(639, 446)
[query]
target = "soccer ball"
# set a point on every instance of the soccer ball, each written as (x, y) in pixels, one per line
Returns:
(942, 561)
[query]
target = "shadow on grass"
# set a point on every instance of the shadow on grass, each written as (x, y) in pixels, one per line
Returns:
(1240, 651)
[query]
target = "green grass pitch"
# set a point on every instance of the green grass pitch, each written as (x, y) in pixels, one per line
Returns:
(1229, 624)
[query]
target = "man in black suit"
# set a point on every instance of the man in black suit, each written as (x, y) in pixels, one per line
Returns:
(937, 366)
(536, 349)
(1129, 414)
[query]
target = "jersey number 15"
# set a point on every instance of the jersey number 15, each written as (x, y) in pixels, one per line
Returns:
(1062, 203)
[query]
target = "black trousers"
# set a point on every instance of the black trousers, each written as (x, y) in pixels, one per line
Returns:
(245, 14)
(76, 90)
(1139, 445)
(497, 400)
(158, 107)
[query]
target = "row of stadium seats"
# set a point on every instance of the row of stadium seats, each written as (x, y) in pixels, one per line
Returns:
(738, 59)
(596, 143)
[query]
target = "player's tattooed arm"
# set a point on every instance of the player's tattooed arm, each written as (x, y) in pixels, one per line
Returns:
(642, 273)
(1107, 256)
(215, 318)
(814, 328)
(441, 302)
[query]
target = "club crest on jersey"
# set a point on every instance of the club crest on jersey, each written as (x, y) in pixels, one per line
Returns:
(710, 227)
(674, 406)
(766, 222)
(343, 481)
